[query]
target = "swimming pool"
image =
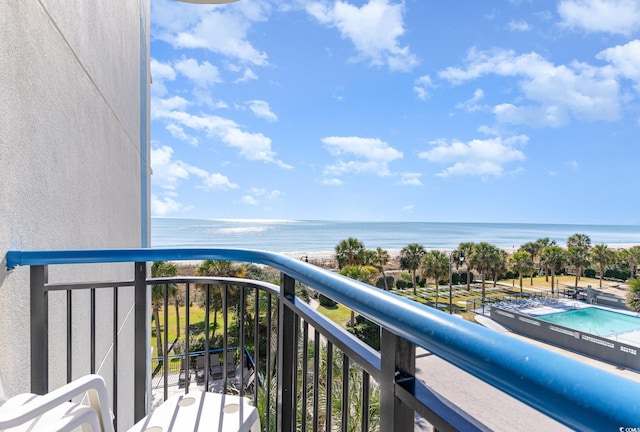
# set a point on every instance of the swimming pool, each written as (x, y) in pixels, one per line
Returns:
(594, 320)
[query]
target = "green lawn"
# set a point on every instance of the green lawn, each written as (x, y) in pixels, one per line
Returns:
(338, 314)
(196, 318)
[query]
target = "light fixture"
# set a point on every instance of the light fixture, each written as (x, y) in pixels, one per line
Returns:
(461, 259)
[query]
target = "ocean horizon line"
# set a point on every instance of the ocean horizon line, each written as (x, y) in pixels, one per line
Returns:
(321, 236)
(294, 220)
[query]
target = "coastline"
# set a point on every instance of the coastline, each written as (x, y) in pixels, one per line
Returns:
(394, 254)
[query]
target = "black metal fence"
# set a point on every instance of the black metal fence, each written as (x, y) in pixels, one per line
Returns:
(312, 374)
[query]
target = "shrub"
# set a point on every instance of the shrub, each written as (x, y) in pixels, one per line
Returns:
(455, 278)
(326, 301)
(589, 273)
(380, 282)
(463, 277)
(302, 292)
(511, 275)
(367, 331)
(400, 284)
(617, 274)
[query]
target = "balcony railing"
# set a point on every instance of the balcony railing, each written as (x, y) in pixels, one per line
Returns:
(292, 350)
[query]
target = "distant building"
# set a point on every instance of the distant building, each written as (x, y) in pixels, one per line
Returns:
(74, 168)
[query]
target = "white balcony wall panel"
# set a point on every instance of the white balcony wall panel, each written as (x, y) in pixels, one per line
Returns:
(70, 166)
(105, 37)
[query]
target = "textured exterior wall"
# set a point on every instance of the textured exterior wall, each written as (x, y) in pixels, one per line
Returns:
(72, 76)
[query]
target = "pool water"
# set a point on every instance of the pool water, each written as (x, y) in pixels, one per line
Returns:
(594, 320)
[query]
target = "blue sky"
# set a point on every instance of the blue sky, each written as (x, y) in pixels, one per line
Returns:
(387, 110)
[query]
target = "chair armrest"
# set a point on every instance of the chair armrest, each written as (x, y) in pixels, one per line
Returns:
(93, 385)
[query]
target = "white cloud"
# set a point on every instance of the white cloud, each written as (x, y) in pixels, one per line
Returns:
(178, 133)
(573, 165)
(248, 199)
(370, 148)
(221, 30)
(471, 105)
(332, 182)
(371, 155)
(262, 109)
(536, 116)
(270, 195)
(625, 59)
(159, 105)
(163, 207)
(410, 179)
(172, 103)
(168, 174)
(202, 74)
(374, 30)
(608, 16)
(160, 72)
(248, 75)
(408, 208)
(477, 157)
(251, 146)
(357, 167)
(557, 93)
(421, 87)
(518, 26)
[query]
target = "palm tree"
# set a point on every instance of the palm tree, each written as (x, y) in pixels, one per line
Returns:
(633, 295)
(435, 264)
(221, 268)
(410, 259)
(349, 252)
(632, 257)
(522, 264)
(543, 243)
(364, 274)
(157, 299)
(602, 256)
(533, 248)
(553, 256)
(466, 249)
(578, 257)
(579, 240)
(499, 265)
(482, 258)
(380, 260)
(163, 269)
(367, 258)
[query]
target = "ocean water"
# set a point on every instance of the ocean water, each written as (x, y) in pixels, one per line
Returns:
(317, 236)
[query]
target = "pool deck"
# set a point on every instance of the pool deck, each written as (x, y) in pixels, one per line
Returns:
(630, 337)
(627, 373)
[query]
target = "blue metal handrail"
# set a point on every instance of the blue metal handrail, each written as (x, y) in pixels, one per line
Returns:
(579, 395)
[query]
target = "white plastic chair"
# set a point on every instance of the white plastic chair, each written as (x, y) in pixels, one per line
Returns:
(54, 412)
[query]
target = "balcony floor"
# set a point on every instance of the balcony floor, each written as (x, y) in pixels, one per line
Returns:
(175, 387)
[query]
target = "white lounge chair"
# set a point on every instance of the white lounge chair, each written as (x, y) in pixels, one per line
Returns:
(196, 411)
(54, 412)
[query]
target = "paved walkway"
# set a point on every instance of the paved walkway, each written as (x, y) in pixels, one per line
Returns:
(495, 409)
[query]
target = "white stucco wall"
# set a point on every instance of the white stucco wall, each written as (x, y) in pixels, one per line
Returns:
(70, 151)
